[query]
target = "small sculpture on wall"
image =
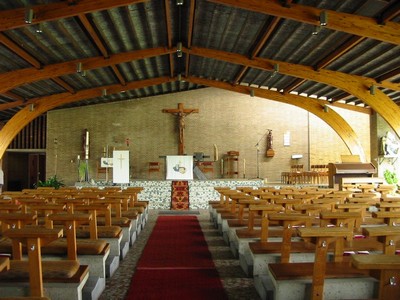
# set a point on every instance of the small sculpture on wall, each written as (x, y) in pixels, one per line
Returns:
(270, 152)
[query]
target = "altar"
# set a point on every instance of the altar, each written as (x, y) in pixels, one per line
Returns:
(158, 192)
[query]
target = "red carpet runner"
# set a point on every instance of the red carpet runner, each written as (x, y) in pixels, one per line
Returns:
(176, 264)
(180, 195)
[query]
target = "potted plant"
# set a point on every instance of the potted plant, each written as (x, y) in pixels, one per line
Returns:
(51, 182)
(390, 177)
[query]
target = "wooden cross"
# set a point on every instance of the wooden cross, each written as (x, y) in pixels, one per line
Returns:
(181, 113)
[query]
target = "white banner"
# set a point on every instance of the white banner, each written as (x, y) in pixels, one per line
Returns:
(179, 167)
(120, 166)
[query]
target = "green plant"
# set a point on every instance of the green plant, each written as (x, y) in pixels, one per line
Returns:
(51, 182)
(390, 177)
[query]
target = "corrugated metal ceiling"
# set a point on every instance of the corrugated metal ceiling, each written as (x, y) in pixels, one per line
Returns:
(96, 36)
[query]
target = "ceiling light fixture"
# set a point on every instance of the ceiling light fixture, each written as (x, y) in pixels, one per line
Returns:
(29, 14)
(79, 67)
(276, 70)
(179, 49)
(372, 89)
(104, 92)
(179, 2)
(252, 93)
(83, 73)
(316, 30)
(323, 18)
(179, 77)
(39, 28)
(31, 107)
(326, 108)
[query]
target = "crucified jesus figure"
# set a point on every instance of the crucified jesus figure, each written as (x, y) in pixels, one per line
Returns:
(181, 113)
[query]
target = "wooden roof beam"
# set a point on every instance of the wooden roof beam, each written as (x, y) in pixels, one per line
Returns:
(44, 104)
(19, 51)
(333, 119)
(15, 18)
(16, 78)
(349, 23)
(328, 59)
(358, 86)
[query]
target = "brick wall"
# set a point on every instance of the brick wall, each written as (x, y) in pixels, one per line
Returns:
(231, 121)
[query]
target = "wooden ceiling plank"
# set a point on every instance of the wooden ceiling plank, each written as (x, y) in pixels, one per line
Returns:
(190, 34)
(14, 96)
(169, 36)
(260, 43)
(92, 32)
(388, 75)
(13, 104)
(118, 74)
(267, 33)
(342, 49)
(16, 78)
(349, 23)
(295, 84)
(168, 23)
(63, 84)
(191, 21)
(15, 18)
(390, 13)
(19, 51)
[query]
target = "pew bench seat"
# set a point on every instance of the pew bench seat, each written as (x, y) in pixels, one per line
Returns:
(62, 279)
(342, 281)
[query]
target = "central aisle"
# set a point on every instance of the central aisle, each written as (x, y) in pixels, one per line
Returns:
(176, 263)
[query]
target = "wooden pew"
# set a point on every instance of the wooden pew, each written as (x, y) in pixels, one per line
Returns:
(40, 273)
(284, 276)
(386, 268)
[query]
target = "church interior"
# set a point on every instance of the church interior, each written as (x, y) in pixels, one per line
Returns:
(271, 128)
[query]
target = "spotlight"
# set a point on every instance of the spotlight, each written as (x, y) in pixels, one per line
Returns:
(104, 92)
(323, 18)
(179, 77)
(326, 108)
(179, 49)
(83, 73)
(39, 29)
(31, 107)
(316, 30)
(179, 2)
(252, 93)
(276, 70)
(372, 89)
(79, 67)
(29, 14)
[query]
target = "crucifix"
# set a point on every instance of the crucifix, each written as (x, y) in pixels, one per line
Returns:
(181, 113)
